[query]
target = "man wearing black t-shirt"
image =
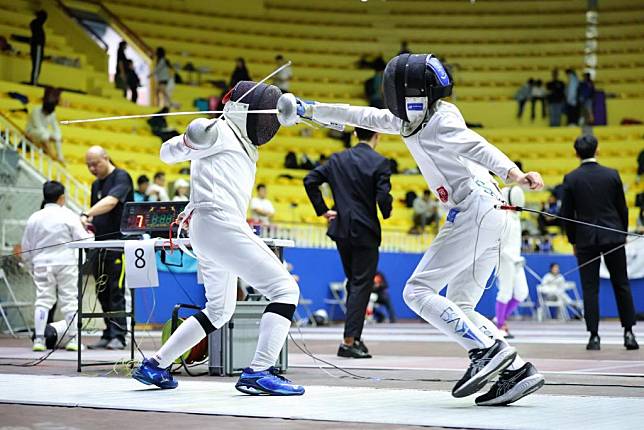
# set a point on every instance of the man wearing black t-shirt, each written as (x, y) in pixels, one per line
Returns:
(111, 189)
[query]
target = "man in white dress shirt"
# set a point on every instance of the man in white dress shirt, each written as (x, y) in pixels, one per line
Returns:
(54, 266)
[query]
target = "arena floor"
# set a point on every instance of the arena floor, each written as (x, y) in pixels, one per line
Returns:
(407, 384)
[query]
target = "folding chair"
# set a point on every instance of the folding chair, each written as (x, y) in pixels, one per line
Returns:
(339, 297)
(305, 304)
(549, 299)
(12, 303)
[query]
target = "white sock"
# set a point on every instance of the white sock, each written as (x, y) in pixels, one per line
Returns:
(187, 335)
(70, 318)
(40, 320)
(518, 363)
(447, 317)
(273, 330)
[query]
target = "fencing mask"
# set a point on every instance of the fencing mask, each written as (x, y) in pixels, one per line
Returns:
(412, 83)
(258, 128)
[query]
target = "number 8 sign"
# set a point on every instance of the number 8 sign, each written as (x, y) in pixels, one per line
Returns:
(141, 264)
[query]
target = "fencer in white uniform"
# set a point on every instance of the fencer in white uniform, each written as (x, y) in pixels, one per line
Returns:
(224, 156)
(454, 161)
(511, 281)
(53, 266)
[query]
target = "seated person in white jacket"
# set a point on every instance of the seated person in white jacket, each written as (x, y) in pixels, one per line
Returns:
(54, 266)
(224, 156)
(43, 130)
(455, 162)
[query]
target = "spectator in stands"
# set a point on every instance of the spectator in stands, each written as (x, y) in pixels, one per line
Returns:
(552, 207)
(5, 46)
(142, 184)
(639, 203)
(159, 126)
(181, 191)
(110, 191)
(381, 288)
(595, 193)
(42, 125)
(537, 94)
(54, 267)
(373, 89)
(556, 98)
(290, 160)
(163, 72)
(404, 48)
(425, 213)
(586, 96)
(37, 44)
(156, 191)
(360, 180)
(120, 74)
(240, 73)
(522, 95)
(640, 165)
(572, 97)
(261, 208)
(132, 80)
(283, 79)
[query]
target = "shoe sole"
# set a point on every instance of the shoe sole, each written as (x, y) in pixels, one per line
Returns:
(499, 363)
(519, 391)
(257, 391)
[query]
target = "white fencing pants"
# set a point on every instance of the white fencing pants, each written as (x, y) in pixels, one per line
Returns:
(227, 248)
(462, 257)
(61, 281)
(52, 282)
(512, 281)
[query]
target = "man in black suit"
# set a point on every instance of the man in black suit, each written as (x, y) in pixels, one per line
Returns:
(359, 178)
(594, 194)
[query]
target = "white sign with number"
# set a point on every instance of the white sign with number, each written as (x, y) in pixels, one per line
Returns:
(141, 264)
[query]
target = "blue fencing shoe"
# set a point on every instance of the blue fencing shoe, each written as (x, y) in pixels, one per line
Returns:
(150, 374)
(267, 382)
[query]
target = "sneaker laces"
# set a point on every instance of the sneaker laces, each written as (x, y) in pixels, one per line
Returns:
(275, 372)
(478, 360)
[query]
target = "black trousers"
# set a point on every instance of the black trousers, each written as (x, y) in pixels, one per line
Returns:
(616, 264)
(360, 264)
(37, 52)
(107, 269)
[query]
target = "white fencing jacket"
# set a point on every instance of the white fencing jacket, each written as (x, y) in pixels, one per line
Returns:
(221, 176)
(453, 159)
(51, 226)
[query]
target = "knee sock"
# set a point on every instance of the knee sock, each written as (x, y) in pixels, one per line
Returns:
(70, 318)
(187, 335)
(40, 320)
(501, 313)
(273, 330)
(447, 317)
(512, 305)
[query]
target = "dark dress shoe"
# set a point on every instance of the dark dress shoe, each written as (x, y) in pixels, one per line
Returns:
(629, 341)
(101, 344)
(593, 343)
(361, 346)
(351, 352)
